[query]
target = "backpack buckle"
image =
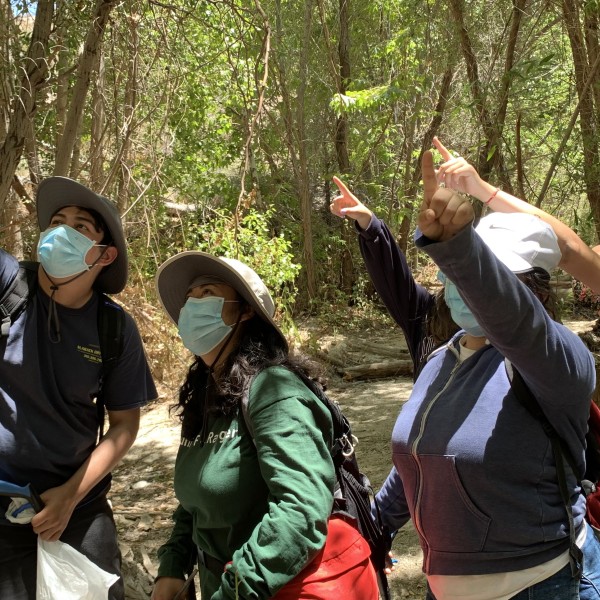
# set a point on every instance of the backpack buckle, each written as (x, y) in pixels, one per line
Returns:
(5, 328)
(348, 444)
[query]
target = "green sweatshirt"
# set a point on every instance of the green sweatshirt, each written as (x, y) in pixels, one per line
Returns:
(262, 504)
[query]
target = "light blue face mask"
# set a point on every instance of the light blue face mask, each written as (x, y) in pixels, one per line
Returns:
(201, 326)
(62, 251)
(459, 311)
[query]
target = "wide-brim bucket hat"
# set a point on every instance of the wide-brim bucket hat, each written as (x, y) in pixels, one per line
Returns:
(176, 275)
(55, 193)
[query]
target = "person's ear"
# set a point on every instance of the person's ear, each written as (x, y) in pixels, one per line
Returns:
(247, 313)
(108, 256)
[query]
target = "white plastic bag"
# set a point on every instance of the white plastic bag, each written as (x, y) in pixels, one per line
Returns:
(63, 573)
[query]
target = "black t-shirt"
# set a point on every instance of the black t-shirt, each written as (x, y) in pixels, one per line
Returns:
(48, 419)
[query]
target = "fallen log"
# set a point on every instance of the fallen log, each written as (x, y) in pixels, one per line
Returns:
(391, 368)
(398, 352)
(332, 360)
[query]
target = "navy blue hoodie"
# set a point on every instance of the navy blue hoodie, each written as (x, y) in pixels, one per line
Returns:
(473, 469)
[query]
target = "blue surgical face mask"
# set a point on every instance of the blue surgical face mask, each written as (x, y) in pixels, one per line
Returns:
(459, 311)
(201, 326)
(62, 251)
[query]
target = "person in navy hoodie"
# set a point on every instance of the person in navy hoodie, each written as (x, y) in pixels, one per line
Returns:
(473, 469)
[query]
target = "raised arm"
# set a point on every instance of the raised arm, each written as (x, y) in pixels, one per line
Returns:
(578, 259)
(407, 302)
(554, 362)
(346, 204)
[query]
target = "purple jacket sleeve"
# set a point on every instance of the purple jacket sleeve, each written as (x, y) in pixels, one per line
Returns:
(407, 302)
(392, 503)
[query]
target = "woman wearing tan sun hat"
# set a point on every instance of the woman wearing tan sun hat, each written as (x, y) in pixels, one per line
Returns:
(256, 507)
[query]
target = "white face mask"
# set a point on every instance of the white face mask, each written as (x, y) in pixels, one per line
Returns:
(201, 326)
(62, 251)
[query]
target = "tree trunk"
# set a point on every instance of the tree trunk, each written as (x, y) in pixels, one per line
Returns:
(304, 187)
(34, 68)
(13, 213)
(62, 80)
(592, 39)
(341, 130)
(340, 72)
(587, 118)
(413, 174)
(6, 71)
(87, 65)
(31, 153)
(129, 109)
(348, 275)
(456, 9)
(393, 368)
(499, 119)
(287, 114)
(519, 159)
(492, 125)
(97, 130)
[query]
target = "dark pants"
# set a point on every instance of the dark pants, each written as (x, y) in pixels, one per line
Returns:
(560, 586)
(589, 586)
(91, 531)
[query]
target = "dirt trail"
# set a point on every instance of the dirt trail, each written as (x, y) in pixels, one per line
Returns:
(142, 492)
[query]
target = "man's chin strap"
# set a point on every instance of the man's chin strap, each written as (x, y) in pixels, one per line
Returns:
(53, 324)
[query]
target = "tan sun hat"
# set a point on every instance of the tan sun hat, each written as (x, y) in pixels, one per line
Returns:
(179, 273)
(55, 193)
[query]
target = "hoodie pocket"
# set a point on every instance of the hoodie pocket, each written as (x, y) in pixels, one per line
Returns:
(445, 514)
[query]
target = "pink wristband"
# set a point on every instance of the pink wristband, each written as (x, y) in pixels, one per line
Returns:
(491, 197)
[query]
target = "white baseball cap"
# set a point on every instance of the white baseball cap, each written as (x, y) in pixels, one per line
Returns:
(521, 241)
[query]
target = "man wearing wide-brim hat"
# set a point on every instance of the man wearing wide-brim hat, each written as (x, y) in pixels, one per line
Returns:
(51, 372)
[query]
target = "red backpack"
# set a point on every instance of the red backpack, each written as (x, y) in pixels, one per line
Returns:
(593, 438)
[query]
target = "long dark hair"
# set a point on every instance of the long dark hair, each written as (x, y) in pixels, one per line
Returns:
(538, 281)
(439, 324)
(260, 346)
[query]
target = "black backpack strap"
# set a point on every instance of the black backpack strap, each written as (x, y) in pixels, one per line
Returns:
(17, 295)
(355, 487)
(111, 326)
(561, 453)
(343, 439)
(111, 323)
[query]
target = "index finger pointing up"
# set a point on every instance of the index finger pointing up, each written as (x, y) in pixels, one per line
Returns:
(430, 184)
(442, 149)
(342, 187)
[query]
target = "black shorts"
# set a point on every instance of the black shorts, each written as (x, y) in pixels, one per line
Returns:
(91, 531)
